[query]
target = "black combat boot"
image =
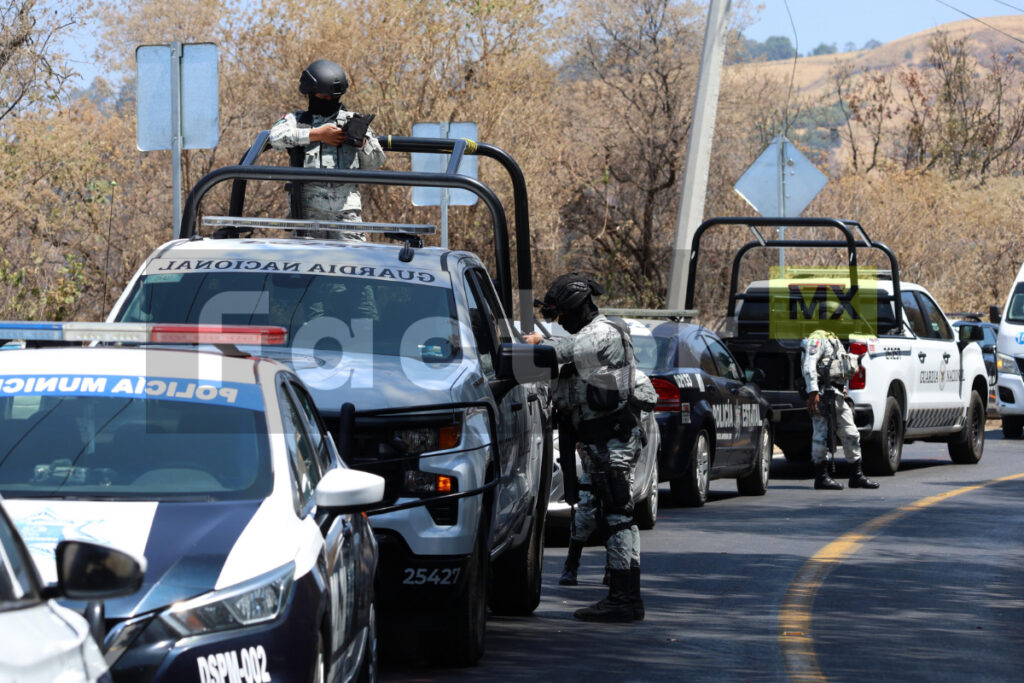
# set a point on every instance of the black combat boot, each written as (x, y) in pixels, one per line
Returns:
(634, 591)
(858, 480)
(572, 564)
(617, 607)
(822, 480)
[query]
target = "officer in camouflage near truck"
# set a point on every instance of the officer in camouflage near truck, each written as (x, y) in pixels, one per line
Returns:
(597, 394)
(826, 369)
(326, 135)
(585, 514)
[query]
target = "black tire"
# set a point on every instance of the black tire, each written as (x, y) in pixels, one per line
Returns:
(518, 574)
(458, 638)
(368, 670)
(691, 488)
(646, 515)
(1013, 426)
(755, 483)
(967, 446)
(883, 452)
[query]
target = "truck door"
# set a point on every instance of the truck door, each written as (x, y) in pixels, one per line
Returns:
(723, 404)
(925, 354)
(948, 386)
(489, 330)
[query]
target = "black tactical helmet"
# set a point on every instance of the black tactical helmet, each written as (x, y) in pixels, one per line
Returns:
(568, 292)
(325, 77)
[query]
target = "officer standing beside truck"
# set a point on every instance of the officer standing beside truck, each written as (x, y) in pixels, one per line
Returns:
(826, 369)
(596, 395)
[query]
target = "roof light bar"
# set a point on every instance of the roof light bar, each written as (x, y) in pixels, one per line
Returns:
(144, 333)
(246, 223)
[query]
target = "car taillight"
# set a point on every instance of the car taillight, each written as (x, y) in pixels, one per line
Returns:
(860, 379)
(858, 348)
(668, 395)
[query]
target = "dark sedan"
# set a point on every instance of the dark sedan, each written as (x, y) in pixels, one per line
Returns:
(973, 329)
(713, 422)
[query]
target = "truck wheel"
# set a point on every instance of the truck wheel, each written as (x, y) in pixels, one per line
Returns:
(517, 575)
(691, 488)
(459, 639)
(884, 451)
(1012, 427)
(647, 510)
(965, 448)
(756, 482)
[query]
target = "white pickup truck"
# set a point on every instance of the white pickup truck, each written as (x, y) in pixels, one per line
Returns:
(916, 381)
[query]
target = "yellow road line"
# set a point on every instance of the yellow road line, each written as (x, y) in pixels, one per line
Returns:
(795, 634)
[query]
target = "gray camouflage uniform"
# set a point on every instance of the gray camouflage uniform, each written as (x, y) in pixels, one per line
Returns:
(584, 519)
(329, 201)
(598, 348)
(819, 350)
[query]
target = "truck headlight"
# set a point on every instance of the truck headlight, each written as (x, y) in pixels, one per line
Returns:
(1006, 364)
(438, 437)
(255, 601)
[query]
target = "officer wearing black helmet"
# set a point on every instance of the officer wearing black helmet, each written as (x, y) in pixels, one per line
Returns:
(597, 394)
(326, 135)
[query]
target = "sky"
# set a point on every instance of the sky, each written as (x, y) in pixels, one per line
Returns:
(858, 21)
(817, 21)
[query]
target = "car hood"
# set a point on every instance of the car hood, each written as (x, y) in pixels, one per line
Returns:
(185, 544)
(372, 381)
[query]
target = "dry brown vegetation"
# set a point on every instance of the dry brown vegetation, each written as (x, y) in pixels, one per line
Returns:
(594, 102)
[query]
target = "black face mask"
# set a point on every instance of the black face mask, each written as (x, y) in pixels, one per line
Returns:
(324, 107)
(575, 319)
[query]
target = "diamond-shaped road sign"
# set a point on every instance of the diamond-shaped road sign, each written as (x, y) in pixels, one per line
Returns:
(782, 181)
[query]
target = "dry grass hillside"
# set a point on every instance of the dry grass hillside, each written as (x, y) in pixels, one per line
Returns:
(811, 75)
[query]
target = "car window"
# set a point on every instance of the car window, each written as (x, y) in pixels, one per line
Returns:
(914, 315)
(315, 425)
(990, 335)
(301, 454)
(1015, 309)
(936, 323)
(727, 365)
(113, 448)
(707, 363)
(329, 313)
(16, 579)
(484, 325)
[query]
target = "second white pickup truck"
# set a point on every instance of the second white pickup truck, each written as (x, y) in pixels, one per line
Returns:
(916, 381)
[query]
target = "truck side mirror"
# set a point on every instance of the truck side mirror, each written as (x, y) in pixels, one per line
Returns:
(994, 314)
(522, 364)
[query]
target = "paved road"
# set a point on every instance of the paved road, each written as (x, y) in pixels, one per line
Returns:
(927, 592)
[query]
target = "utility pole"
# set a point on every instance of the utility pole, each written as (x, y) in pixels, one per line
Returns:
(698, 151)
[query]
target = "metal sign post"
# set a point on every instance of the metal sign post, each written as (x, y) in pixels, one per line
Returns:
(425, 162)
(176, 98)
(781, 182)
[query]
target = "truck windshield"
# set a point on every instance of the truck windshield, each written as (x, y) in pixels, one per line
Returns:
(1015, 310)
(103, 447)
(325, 313)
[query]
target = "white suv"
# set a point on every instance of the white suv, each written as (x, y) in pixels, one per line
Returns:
(1010, 361)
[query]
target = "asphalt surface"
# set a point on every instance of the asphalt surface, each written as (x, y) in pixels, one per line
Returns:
(930, 588)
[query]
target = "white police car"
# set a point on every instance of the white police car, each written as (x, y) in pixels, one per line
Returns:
(215, 468)
(40, 640)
